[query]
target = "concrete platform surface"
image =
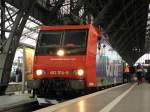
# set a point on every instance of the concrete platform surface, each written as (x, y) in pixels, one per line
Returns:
(89, 103)
(7, 101)
(14, 86)
(138, 100)
(126, 98)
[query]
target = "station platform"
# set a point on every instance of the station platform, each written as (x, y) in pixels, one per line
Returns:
(13, 87)
(11, 101)
(123, 98)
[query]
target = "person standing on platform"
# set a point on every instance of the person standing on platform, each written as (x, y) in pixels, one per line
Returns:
(148, 74)
(126, 74)
(18, 75)
(139, 72)
(132, 72)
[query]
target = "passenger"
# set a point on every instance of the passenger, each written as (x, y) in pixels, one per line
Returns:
(13, 75)
(18, 75)
(126, 74)
(132, 72)
(139, 72)
(148, 74)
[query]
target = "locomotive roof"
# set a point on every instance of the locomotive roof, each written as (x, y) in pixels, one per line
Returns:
(66, 27)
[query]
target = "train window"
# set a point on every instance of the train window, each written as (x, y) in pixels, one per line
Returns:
(72, 41)
(50, 39)
(75, 38)
(75, 42)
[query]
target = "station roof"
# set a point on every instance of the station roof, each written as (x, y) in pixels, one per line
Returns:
(125, 23)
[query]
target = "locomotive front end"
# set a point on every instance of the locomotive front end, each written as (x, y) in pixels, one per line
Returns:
(60, 60)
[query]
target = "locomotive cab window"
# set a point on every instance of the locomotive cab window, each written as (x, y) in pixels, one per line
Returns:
(50, 39)
(73, 42)
(76, 38)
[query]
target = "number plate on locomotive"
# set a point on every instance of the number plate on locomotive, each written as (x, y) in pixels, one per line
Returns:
(59, 72)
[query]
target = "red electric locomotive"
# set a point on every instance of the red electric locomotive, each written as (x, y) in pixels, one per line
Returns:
(65, 60)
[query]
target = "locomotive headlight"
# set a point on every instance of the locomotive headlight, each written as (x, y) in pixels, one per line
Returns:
(80, 72)
(60, 52)
(39, 72)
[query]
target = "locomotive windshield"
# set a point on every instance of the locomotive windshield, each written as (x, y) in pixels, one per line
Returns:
(73, 42)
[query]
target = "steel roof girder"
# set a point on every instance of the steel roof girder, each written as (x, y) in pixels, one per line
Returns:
(129, 18)
(9, 47)
(78, 6)
(122, 47)
(2, 38)
(102, 12)
(118, 15)
(128, 31)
